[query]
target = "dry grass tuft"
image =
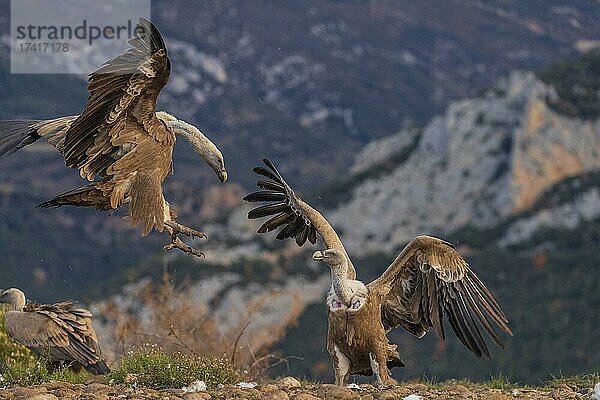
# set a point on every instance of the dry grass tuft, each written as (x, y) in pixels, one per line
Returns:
(171, 319)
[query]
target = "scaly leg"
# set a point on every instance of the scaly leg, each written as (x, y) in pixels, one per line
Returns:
(177, 243)
(380, 369)
(178, 228)
(174, 228)
(341, 366)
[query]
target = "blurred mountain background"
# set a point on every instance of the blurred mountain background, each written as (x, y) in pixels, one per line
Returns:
(474, 121)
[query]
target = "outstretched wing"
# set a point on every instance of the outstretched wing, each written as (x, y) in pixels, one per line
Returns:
(430, 279)
(298, 219)
(123, 95)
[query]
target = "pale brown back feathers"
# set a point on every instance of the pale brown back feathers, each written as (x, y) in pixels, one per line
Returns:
(429, 279)
(60, 331)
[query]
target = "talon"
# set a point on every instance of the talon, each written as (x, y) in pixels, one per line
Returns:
(177, 243)
(178, 228)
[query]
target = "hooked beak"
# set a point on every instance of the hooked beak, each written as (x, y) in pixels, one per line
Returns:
(222, 174)
(318, 256)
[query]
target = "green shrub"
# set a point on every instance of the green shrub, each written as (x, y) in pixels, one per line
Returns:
(577, 83)
(24, 369)
(151, 367)
(11, 353)
(25, 375)
(575, 382)
(66, 374)
(37, 373)
(500, 382)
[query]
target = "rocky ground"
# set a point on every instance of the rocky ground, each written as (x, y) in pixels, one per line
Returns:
(290, 388)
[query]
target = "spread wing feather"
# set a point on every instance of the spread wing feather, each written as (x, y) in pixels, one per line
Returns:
(286, 212)
(296, 218)
(430, 280)
(122, 92)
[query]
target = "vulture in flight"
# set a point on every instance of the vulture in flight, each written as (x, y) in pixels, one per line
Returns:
(119, 142)
(427, 281)
(60, 332)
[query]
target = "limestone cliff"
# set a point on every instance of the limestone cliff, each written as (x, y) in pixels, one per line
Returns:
(483, 160)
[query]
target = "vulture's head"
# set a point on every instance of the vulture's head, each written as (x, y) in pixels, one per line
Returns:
(333, 258)
(14, 297)
(200, 143)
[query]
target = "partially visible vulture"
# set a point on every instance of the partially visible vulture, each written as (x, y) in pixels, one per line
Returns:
(427, 281)
(119, 142)
(60, 332)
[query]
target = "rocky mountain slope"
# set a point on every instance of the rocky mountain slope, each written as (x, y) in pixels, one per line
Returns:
(481, 162)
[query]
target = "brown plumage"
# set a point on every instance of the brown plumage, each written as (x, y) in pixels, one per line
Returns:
(61, 333)
(429, 280)
(119, 142)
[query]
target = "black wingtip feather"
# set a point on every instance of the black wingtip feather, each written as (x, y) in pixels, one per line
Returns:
(270, 185)
(267, 210)
(276, 222)
(288, 212)
(302, 235)
(312, 234)
(266, 173)
(266, 195)
(156, 40)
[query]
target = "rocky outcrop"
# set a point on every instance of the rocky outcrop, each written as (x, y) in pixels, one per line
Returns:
(482, 161)
(570, 204)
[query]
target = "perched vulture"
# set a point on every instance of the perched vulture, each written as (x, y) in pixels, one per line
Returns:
(427, 281)
(119, 142)
(60, 332)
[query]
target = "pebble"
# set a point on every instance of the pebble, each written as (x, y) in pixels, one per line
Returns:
(267, 388)
(197, 396)
(289, 382)
(275, 395)
(304, 396)
(44, 396)
(397, 392)
(25, 393)
(336, 392)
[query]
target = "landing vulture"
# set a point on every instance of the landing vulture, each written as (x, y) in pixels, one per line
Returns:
(60, 332)
(427, 281)
(119, 142)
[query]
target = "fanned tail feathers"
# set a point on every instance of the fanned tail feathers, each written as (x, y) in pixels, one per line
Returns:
(86, 196)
